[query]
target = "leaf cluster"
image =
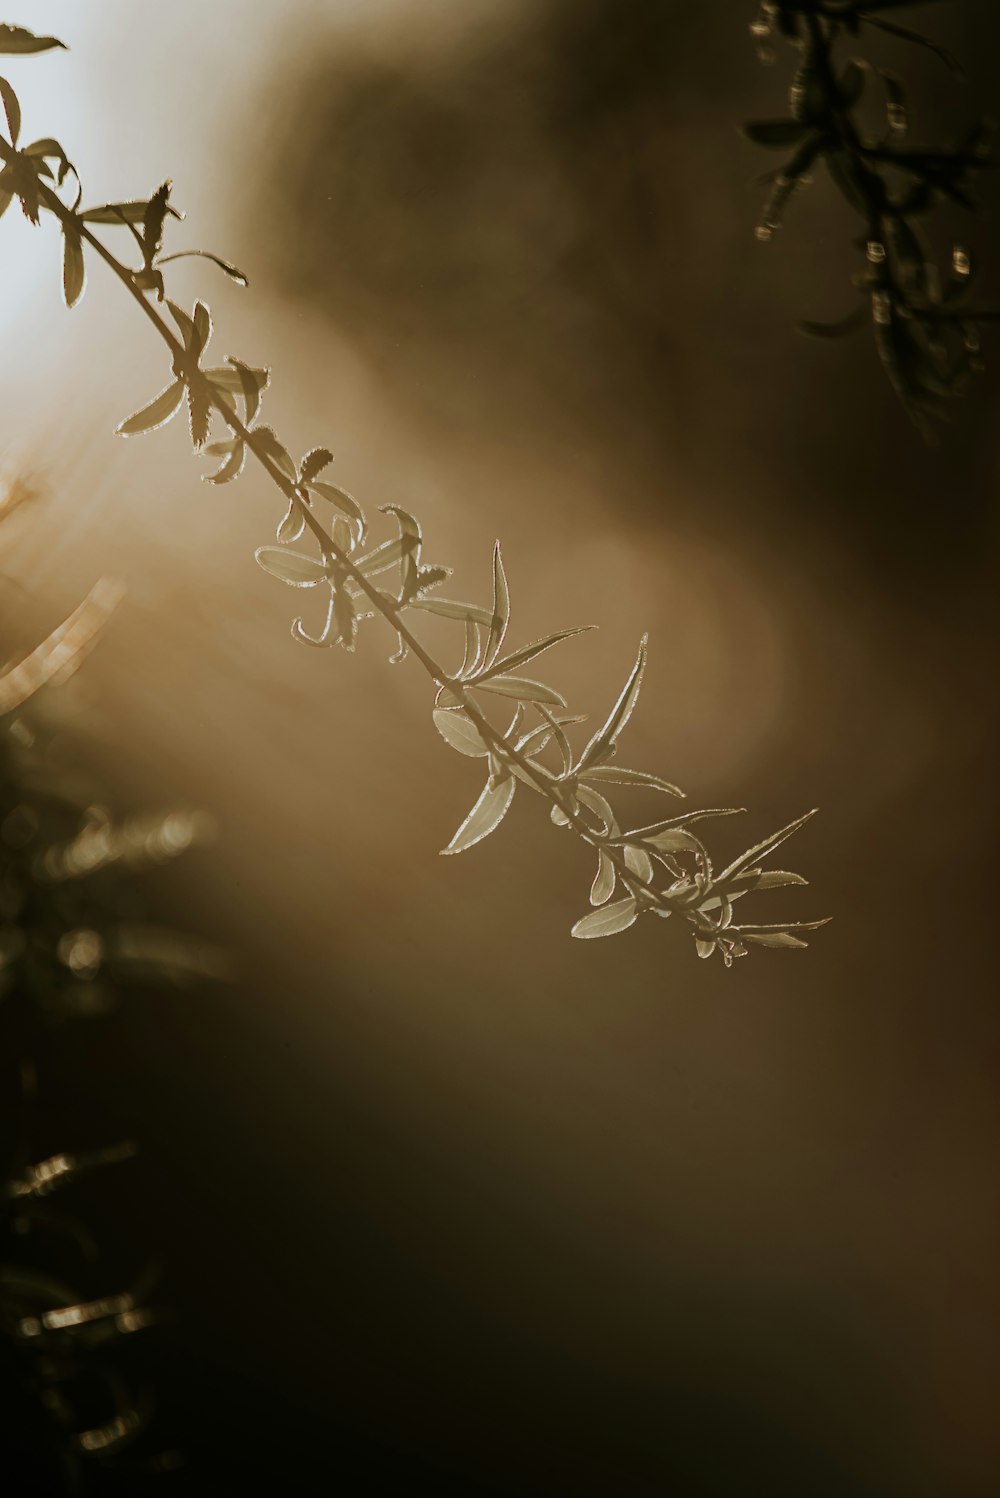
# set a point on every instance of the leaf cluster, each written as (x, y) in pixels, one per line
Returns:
(663, 869)
(926, 326)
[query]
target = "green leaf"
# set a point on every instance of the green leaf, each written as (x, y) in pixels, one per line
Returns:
(607, 921)
(74, 270)
(500, 617)
(521, 688)
(762, 849)
(617, 776)
(231, 270)
(292, 567)
(603, 886)
(487, 814)
(12, 109)
(156, 414)
(460, 733)
(15, 40)
(528, 652)
(602, 744)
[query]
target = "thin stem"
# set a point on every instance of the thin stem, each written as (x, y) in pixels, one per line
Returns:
(547, 787)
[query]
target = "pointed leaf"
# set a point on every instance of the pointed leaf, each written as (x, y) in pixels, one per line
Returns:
(501, 608)
(487, 814)
(522, 688)
(603, 742)
(202, 329)
(528, 652)
(231, 468)
(234, 273)
(607, 921)
(131, 212)
(156, 414)
(292, 567)
(266, 444)
(250, 383)
(74, 270)
(613, 775)
(762, 849)
(12, 110)
(16, 40)
(448, 608)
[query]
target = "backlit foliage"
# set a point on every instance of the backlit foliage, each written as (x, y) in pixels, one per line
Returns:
(662, 869)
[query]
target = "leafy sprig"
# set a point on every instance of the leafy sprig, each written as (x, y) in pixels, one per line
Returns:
(664, 869)
(927, 327)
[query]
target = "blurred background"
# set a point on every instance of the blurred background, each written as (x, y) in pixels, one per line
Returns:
(445, 1198)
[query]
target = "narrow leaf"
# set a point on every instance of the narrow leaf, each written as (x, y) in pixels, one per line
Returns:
(501, 608)
(231, 468)
(156, 414)
(487, 814)
(528, 652)
(231, 270)
(603, 742)
(17, 41)
(131, 212)
(74, 270)
(291, 566)
(761, 849)
(448, 608)
(522, 688)
(607, 921)
(773, 939)
(12, 110)
(266, 444)
(616, 776)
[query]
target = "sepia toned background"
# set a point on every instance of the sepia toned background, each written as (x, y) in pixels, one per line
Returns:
(445, 1199)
